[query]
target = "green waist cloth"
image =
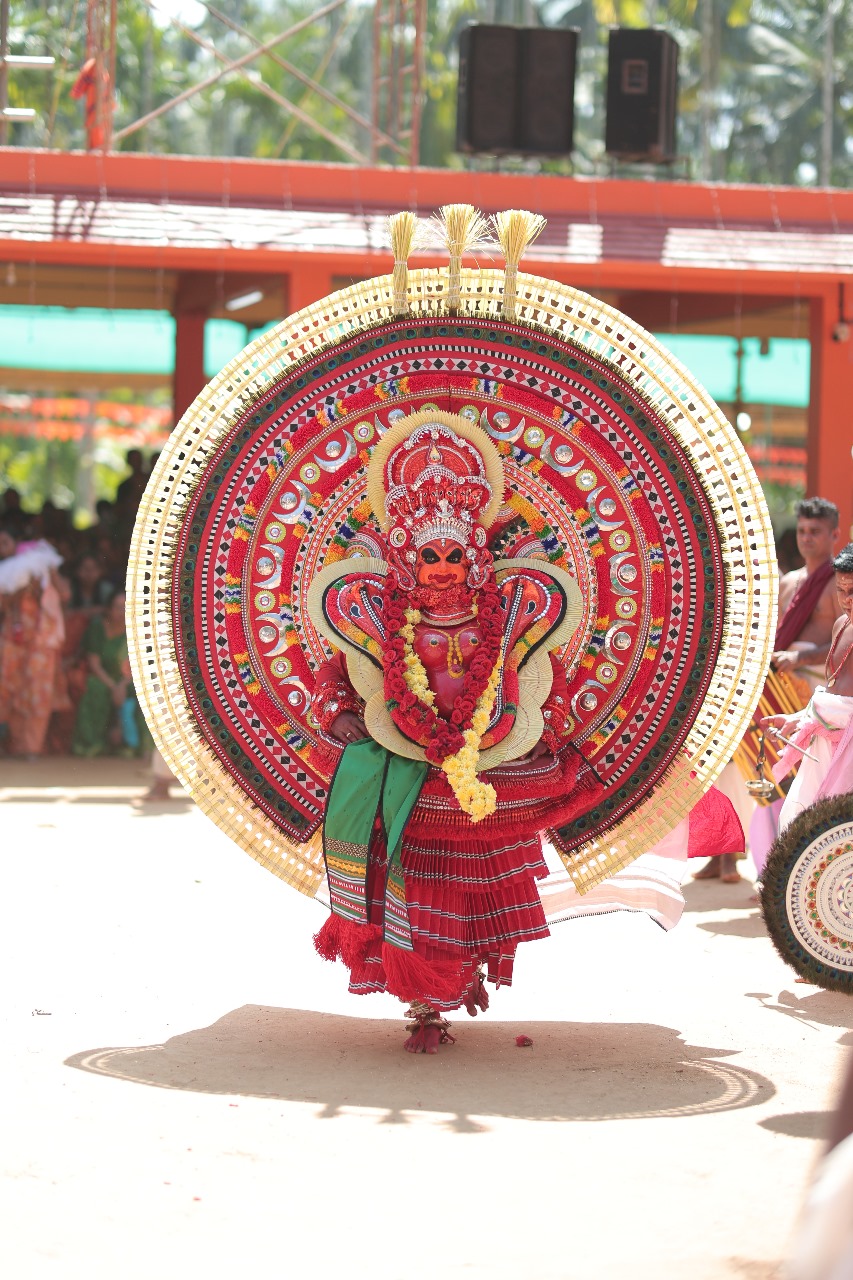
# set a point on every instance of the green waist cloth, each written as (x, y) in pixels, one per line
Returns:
(370, 780)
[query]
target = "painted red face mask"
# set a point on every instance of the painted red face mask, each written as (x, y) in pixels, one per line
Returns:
(440, 565)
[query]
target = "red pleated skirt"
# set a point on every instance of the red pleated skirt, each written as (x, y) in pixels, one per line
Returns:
(471, 887)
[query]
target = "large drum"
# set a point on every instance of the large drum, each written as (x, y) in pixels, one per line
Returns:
(807, 894)
(783, 694)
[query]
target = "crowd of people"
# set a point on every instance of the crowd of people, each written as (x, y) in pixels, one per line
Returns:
(65, 682)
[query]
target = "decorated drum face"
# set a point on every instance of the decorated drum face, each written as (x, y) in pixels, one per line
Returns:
(807, 894)
(618, 469)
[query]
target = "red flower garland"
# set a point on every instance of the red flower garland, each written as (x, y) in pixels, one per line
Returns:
(423, 724)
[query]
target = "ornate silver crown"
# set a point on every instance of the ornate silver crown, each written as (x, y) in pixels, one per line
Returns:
(445, 524)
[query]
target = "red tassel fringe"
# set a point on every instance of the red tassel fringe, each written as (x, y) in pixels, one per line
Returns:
(405, 974)
(342, 939)
(411, 977)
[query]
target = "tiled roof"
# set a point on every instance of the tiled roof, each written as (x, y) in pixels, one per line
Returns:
(110, 220)
(670, 224)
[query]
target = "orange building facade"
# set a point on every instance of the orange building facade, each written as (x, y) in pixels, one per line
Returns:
(191, 236)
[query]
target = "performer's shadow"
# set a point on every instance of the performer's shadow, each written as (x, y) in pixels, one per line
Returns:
(572, 1071)
(749, 926)
(800, 1124)
(819, 1008)
(713, 895)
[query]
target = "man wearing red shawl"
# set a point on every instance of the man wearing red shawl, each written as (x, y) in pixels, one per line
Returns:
(451, 710)
(808, 604)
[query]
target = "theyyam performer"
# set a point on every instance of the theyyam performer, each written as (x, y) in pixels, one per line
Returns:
(808, 611)
(456, 720)
(448, 599)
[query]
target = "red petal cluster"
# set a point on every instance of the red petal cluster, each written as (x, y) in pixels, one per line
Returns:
(420, 723)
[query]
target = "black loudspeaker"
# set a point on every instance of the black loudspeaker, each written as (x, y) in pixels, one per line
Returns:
(488, 73)
(642, 89)
(546, 90)
(516, 89)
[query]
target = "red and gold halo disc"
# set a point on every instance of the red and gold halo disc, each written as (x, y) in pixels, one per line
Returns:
(618, 468)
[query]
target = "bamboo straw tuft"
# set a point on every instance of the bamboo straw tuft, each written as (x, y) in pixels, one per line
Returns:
(462, 227)
(402, 228)
(515, 229)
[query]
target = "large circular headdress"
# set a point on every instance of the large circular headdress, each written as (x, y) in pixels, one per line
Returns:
(618, 468)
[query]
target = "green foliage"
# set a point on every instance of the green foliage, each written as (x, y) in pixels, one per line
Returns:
(39, 470)
(751, 79)
(781, 499)
(51, 470)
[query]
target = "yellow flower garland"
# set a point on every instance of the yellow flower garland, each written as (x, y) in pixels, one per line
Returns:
(414, 673)
(477, 799)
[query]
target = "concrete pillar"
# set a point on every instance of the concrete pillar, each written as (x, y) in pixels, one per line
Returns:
(189, 377)
(307, 284)
(830, 465)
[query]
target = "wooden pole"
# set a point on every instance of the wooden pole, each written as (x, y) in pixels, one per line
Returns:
(189, 376)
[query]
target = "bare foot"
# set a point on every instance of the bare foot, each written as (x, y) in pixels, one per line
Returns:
(425, 1039)
(710, 871)
(159, 790)
(729, 873)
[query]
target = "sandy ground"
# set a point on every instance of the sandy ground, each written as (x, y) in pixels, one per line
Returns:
(188, 1090)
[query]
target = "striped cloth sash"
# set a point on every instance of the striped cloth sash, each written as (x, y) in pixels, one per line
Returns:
(370, 780)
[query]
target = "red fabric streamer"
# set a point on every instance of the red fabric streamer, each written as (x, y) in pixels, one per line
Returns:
(714, 827)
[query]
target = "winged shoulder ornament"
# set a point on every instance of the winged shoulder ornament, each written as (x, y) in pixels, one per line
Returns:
(542, 604)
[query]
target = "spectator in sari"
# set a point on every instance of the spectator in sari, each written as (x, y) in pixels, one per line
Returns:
(89, 588)
(72, 670)
(32, 633)
(108, 717)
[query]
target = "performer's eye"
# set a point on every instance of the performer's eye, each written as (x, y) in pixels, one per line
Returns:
(455, 557)
(429, 556)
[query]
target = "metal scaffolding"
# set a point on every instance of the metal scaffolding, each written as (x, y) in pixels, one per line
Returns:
(390, 134)
(10, 114)
(399, 28)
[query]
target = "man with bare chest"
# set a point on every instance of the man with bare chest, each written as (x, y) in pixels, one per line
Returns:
(808, 606)
(839, 666)
(825, 728)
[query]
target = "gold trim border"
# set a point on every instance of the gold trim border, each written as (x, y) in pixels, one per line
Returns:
(717, 456)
